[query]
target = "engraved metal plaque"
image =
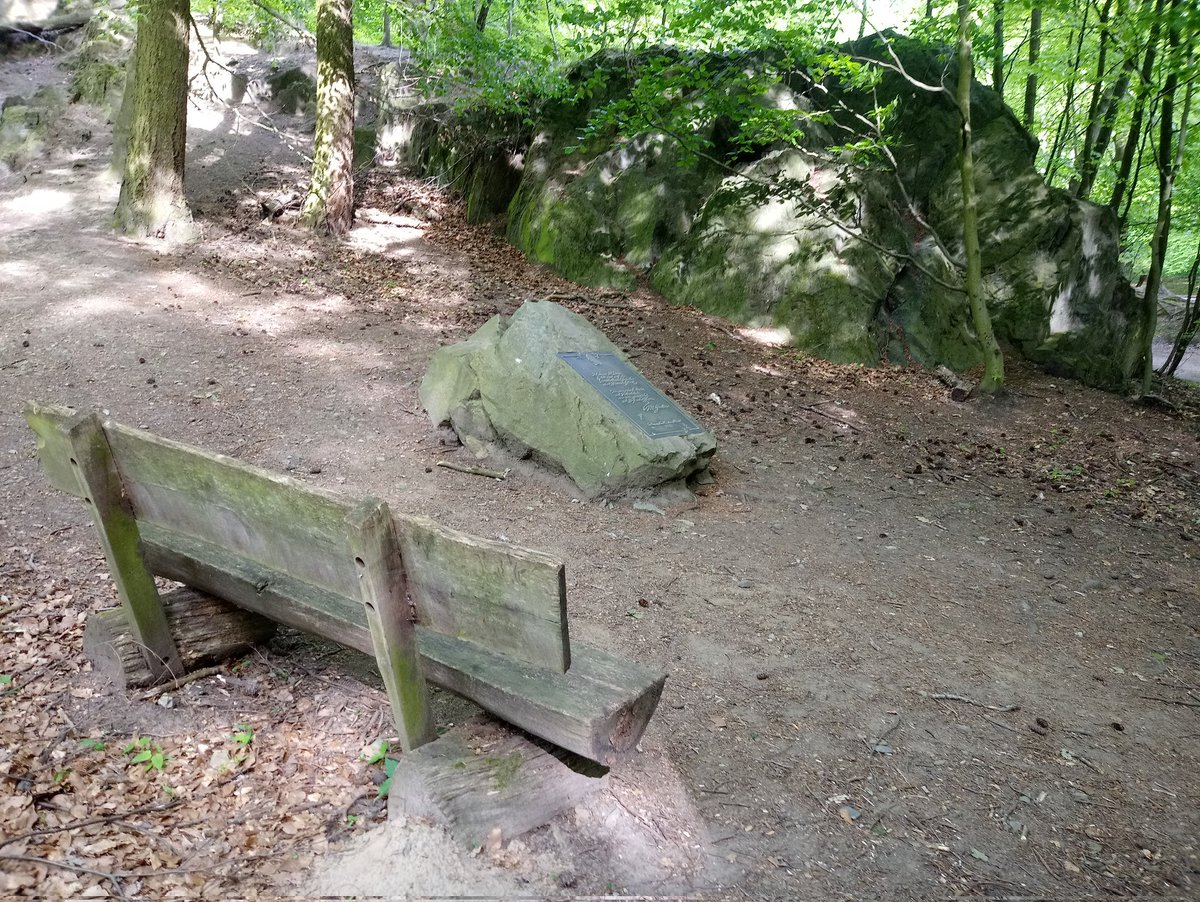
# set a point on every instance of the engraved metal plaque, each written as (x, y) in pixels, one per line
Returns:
(628, 391)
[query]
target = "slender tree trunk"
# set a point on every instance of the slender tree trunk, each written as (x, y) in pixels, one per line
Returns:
(1191, 321)
(1064, 122)
(1134, 139)
(1162, 227)
(993, 360)
(330, 201)
(998, 40)
(1095, 114)
(481, 16)
(1031, 80)
(152, 201)
(387, 25)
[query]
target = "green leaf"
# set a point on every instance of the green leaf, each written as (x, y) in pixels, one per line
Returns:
(94, 745)
(141, 756)
(5, 679)
(379, 754)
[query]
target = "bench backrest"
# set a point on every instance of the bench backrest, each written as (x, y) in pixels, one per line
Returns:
(509, 600)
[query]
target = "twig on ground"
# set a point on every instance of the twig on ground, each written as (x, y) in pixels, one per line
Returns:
(78, 869)
(1171, 701)
(182, 681)
(817, 410)
(12, 363)
(105, 819)
(8, 609)
(952, 697)
(473, 471)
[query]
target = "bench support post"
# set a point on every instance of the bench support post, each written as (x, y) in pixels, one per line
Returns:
(383, 587)
(92, 461)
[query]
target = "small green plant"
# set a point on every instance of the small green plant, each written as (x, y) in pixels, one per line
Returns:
(710, 346)
(379, 754)
(243, 734)
(143, 750)
(389, 770)
(60, 776)
(92, 745)
(352, 820)
(5, 679)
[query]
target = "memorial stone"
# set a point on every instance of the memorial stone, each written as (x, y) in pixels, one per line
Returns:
(547, 385)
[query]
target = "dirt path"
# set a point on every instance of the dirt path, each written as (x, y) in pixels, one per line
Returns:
(915, 647)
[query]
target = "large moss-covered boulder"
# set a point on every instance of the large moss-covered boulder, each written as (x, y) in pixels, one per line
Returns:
(507, 389)
(857, 256)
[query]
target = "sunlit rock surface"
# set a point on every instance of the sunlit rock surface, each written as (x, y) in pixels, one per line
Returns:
(856, 259)
(506, 388)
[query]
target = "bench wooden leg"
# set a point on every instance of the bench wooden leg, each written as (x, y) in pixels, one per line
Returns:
(92, 461)
(384, 590)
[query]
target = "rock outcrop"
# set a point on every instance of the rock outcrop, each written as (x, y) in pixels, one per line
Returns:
(857, 258)
(507, 387)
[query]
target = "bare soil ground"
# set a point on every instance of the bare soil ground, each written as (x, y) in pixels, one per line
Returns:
(916, 648)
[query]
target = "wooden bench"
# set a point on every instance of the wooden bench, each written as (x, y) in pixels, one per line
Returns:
(481, 618)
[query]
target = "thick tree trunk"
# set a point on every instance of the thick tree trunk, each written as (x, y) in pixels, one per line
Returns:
(993, 360)
(1031, 80)
(152, 201)
(330, 201)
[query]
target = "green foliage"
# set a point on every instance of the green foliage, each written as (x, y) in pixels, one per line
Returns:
(379, 754)
(389, 771)
(143, 750)
(92, 745)
(243, 734)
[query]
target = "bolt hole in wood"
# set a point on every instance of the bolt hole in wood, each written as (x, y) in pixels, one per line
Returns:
(360, 563)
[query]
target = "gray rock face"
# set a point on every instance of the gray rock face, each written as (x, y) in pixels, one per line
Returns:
(872, 277)
(506, 387)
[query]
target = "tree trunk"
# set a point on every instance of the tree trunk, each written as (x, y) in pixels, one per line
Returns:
(1031, 80)
(993, 360)
(330, 201)
(1064, 122)
(152, 201)
(998, 41)
(481, 16)
(1134, 139)
(1190, 324)
(387, 25)
(1085, 165)
(1165, 159)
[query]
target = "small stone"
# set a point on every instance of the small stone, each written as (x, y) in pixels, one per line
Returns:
(745, 584)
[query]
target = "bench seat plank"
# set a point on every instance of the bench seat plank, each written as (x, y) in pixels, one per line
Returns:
(599, 708)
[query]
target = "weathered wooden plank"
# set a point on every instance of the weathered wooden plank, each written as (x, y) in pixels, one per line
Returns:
(207, 630)
(117, 529)
(256, 588)
(599, 721)
(273, 519)
(599, 708)
(512, 599)
(481, 778)
(384, 591)
(49, 424)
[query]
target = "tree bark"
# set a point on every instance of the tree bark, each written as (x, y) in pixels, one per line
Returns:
(1133, 140)
(1190, 324)
(1031, 80)
(1165, 159)
(998, 41)
(1085, 166)
(152, 201)
(330, 201)
(387, 25)
(993, 360)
